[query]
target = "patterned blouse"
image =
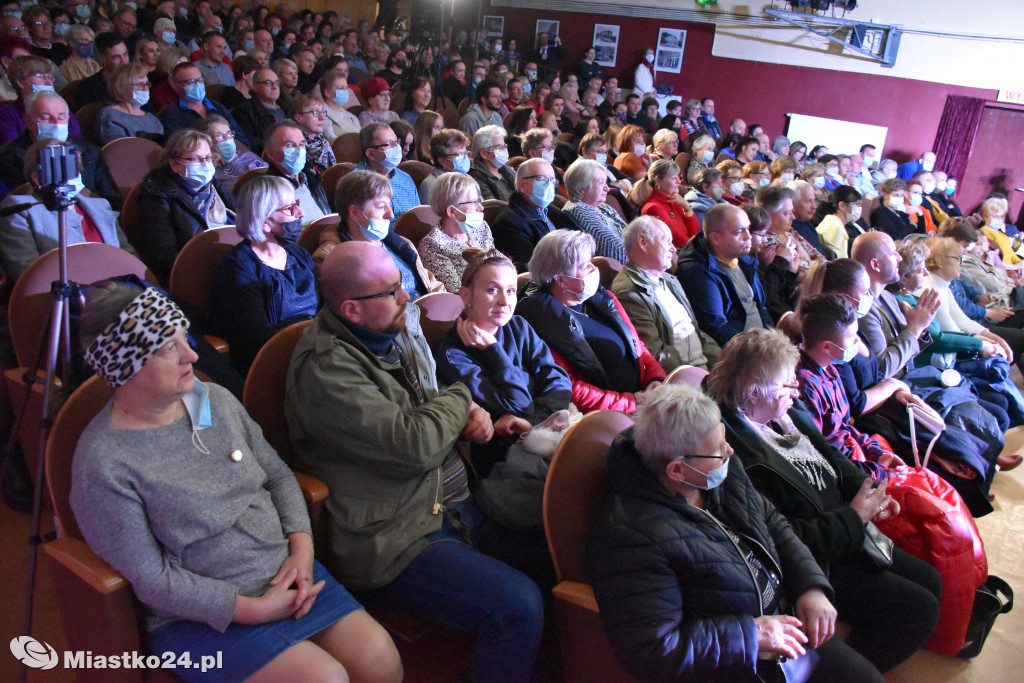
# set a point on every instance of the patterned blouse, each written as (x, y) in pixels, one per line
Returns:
(319, 155)
(442, 255)
(604, 225)
(803, 251)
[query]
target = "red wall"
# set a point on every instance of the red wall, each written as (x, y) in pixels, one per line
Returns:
(756, 91)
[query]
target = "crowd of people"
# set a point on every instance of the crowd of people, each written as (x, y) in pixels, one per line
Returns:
(820, 290)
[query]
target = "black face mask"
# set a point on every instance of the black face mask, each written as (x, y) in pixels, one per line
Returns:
(400, 63)
(291, 230)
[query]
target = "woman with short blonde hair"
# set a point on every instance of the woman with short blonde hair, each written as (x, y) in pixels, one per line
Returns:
(455, 198)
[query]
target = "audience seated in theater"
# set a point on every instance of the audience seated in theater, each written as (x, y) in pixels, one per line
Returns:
(485, 109)
(994, 226)
(538, 143)
(305, 61)
(702, 155)
(814, 173)
(211, 62)
(733, 186)
(655, 302)
(337, 95)
(363, 200)
(218, 550)
(805, 203)
(929, 203)
(989, 281)
(448, 153)
(79, 64)
(455, 84)
(180, 198)
(826, 498)
(129, 89)
(489, 169)
(886, 170)
(455, 197)
(112, 52)
(755, 176)
(517, 122)
(592, 146)
(286, 154)
(243, 69)
(266, 282)
(33, 231)
(677, 599)
(860, 177)
(706, 192)
(778, 273)
(429, 124)
(162, 92)
(192, 104)
(40, 32)
(27, 73)
(382, 153)
(46, 116)
(916, 209)
(586, 182)
(378, 98)
(891, 215)
(394, 67)
(516, 89)
(529, 215)
(264, 108)
(511, 374)
(926, 162)
(833, 177)
(781, 238)
(310, 113)
(719, 276)
(658, 195)
(838, 220)
(146, 53)
(418, 95)
(632, 157)
(665, 145)
(783, 170)
(945, 188)
(230, 161)
(397, 444)
(406, 138)
(555, 104)
(164, 28)
(585, 326)
(745, 150)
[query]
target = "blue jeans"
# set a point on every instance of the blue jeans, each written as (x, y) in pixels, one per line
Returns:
(468, 590)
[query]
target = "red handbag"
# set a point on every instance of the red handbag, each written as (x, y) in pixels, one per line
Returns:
(935, 526)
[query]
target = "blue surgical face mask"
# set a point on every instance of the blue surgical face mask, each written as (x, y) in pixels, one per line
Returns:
(527, 88)
(762, 182)
(542, 196)
(341, 97)
(601, 159)
(708, 155)
(141, 97)
(377, 229)
(168, 37)
(274, 31)
(392, 157)
(291, 230)
(42, 87)
(715, 477)
(500, 157)
(226, 149)
(472, 221)
(461, 164)
(84, 51)
(294, 160)
(848, 354)
(61, 28)
(83, 11)
(198, 175)
(195, 92)
(52, 130)
(250, 45)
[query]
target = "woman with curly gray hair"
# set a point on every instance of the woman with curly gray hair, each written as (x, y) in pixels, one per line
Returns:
(586, 181)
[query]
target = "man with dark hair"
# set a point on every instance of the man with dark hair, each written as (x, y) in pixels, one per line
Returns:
(708, 123)
(485, 111)
(113, 52)
(211, 62)
(261, 110)
(720, 276)
(382, 152)
(187, 83)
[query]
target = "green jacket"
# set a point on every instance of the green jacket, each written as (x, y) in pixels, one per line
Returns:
(354, 426)
(636, 294)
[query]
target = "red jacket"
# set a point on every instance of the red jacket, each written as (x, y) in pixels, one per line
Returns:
(683, 227)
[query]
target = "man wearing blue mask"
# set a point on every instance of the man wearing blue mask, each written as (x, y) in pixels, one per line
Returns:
(382, 152)
(187, 82)
(263, 109)
(529, 215)
(113, 53)
(285, 151)
(46, 116)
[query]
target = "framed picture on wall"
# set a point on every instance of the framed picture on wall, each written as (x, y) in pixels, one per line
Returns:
(546, 26)
(668, 55)
(494, 27)
(606, 43)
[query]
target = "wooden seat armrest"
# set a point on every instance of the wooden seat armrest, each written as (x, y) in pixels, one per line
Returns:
(78, 558)
(217, 343)
(580, 594)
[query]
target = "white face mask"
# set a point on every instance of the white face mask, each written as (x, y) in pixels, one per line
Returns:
(601, 159)
(787, 178)
(855, 213)
(639, 149)
(928, 164)
(941, 186)
(916, 198)
(896, 204)
(997, 224)
(548, 155)
(736, 188)
(591, 281)
(929, 187)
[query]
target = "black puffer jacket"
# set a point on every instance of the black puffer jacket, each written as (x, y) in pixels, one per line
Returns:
(677, 599)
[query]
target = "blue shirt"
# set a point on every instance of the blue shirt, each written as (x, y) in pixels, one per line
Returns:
(408, 276)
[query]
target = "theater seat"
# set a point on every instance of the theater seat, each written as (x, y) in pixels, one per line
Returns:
(575, 490)
(689, 375)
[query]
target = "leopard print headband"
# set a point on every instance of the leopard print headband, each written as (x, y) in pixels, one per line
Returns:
(124, 346)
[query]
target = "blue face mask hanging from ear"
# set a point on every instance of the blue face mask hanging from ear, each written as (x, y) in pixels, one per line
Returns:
(715, 477)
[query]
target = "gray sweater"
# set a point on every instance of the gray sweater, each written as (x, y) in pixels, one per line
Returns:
(190, 531)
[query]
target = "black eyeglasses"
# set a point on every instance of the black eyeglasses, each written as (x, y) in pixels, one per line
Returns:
(393, 293)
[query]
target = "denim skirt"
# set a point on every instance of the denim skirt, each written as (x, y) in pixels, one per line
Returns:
(245, 649)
